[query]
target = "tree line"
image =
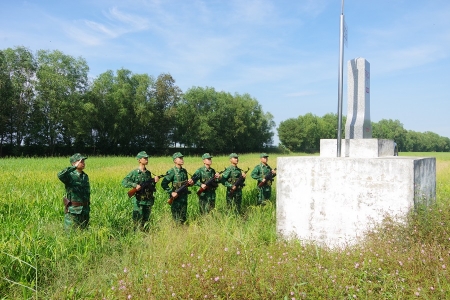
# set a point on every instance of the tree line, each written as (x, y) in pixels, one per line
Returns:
(49, 106)
(303, 134)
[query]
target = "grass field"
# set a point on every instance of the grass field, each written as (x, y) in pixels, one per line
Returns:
(220, 256)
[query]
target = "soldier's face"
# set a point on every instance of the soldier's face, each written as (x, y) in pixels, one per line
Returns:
(179, 160)
(264, 159)
(207, 161)
(81, 165)
(143, 160)
(234, 160)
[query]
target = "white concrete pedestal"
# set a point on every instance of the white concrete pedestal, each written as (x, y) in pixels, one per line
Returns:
(333, 201)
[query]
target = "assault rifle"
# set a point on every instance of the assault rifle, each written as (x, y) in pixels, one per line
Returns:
(267, 178)
(182, 189)
(238, 182)
(144, 185)
(208, 183)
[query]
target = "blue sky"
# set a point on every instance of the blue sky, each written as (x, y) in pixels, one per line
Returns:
(284, 53)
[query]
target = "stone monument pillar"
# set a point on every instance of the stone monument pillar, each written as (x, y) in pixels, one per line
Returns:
(335, 200)
(358, 125)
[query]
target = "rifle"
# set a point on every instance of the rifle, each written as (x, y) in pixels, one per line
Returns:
(238, 182)
(267, 178)
(144, 185)
(181, 189)
(208, 183)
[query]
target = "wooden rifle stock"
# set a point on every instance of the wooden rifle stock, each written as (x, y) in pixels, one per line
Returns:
(143, 185)
(267, 178)
(181, 189)
(208, 183)
(238, 182)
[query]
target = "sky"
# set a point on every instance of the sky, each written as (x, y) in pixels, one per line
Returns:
(283, 53)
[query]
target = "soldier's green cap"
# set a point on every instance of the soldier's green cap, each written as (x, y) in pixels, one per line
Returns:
(233, 155)
(141, 154)
(77, 157)
(263, 155)
(206, 155)
(176, 155)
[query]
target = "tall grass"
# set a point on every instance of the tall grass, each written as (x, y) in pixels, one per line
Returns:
(220, 256)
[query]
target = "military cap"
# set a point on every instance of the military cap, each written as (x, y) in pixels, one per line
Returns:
(233, 155)
(263, 155)
(176, 155)
(76, 157)
(141, 154)
(206, 155)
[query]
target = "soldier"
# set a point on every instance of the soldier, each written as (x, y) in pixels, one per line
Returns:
(178, 177)
(206, 174)
(143, 184)
(78, 193)
(264, 184)
(234, 188)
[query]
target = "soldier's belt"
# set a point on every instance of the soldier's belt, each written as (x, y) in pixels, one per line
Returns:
(76, 203)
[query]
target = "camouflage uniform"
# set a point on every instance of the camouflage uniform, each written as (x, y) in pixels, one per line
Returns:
(229, 177)
(144, 199)
(207, 199)
(178, 177)
(258, 173)
(78, 191)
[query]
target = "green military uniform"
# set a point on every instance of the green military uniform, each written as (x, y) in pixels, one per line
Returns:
(143, 199)
(229, 177)
(258, 173)
(177, 177)
(78, 192)
(207, 199)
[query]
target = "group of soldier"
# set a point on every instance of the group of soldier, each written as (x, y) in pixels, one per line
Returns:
(142, 185)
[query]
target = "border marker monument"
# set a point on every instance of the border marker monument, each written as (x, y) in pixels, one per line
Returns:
(334, 200)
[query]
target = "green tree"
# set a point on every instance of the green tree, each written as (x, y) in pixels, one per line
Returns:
(163, 103)
(6, 100)
(392, 130)
(291, 134)
(221, 122)
(21, 68)
(62, 81)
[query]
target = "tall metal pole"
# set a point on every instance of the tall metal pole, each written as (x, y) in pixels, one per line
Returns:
(340, 82)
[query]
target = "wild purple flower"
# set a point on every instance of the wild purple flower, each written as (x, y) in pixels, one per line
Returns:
(226, 249)
(125, 270)
(216, 279)
(443, 266)
(356, 265)
(129, 297)
(173, 294)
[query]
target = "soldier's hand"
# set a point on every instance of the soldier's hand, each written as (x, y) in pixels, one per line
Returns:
(190, 182)
(264, 180)
(217, 175)
(274, 171)
(243, 175)
(233, 187)
(156, 179)
(203, 186)
(174, 195)
(138, 187)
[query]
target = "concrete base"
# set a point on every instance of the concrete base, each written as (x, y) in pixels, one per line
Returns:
(334, 201)
(357, 148)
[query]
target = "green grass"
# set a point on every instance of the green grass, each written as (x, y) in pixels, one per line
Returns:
(220, 256)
